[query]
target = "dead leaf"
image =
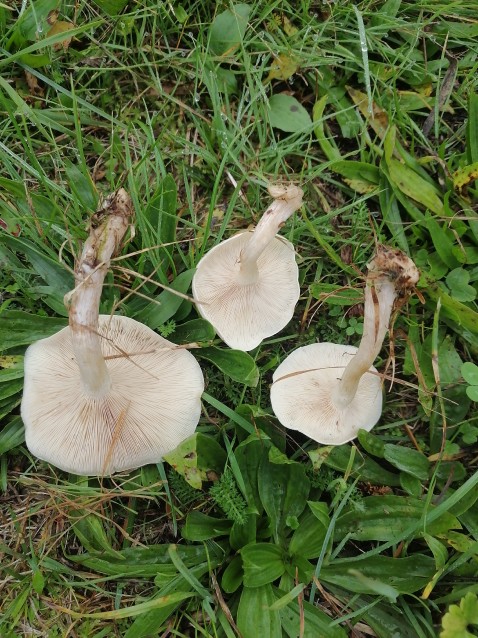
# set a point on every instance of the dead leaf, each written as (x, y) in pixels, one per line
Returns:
(360, 186)
(445, 91)
(281, 20)
(34, 86)
(378, 119)
(465, 175)
(283, 67)
(61, 26)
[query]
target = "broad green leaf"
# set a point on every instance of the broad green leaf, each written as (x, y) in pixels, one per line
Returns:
(12, 434)
(38, 581)
(357, 171)
(232, 576)
(386, 619)
(262, 563)
(11, 367)
(449, 362)
(283, 490)
(439, 551)
(194, 331)
(364, 468)
(35, 60)
(142, 562)
(33, 21)
(18, 328)
(11, 388)
(202, 527)
(228, 29)
(414, 186)
(147, 623)
(346, 116)
(406, 575)
(243, 533)
(159, 216)
(111, 7)
(59, 280)
(8, 405)
(226, 81)
(457, 281)
(136, 610)
(287, 114)
(286, 599)
(195, 457)
(371, 443)
(82, 187)
(89, 530)
(384, 518)
(459, 618)
(465, 319)
(443, 240)
(236, 364)
(472, 392)
(411, 484)
(407, 460)
(308, 539)
(316, 622)
(329, 293)
(155, 314)
(254, 617)
(248, 456)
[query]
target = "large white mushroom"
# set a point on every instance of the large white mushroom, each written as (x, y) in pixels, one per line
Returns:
(329, 391)
(107, 394)
(247, 286)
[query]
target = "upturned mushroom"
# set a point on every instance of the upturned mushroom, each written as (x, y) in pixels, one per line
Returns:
(247, 286)
(329, 391)
(106, 394)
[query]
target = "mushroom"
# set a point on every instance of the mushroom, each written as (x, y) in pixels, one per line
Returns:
(329, 391)
(107, 394)
(247, 286)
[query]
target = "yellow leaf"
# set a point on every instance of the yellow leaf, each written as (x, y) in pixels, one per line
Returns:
(284, 22)
(377, 119)
(60, 26)
(465, 175)
(10, 361)
(361, 186)
(283, 67)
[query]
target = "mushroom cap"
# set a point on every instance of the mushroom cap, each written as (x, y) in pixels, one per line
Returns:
(153, 403)
(304, 400)
(245, 314)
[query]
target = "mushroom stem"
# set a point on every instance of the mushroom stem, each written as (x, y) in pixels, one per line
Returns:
(287, 199)
(391, 273)
(106, 233)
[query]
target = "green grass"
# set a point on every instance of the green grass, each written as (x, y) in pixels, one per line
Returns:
(173, 105)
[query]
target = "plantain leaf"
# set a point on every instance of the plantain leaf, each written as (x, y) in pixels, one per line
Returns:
(236, 364)
(287, 114)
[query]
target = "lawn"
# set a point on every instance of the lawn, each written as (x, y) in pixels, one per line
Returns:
(248, 528)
